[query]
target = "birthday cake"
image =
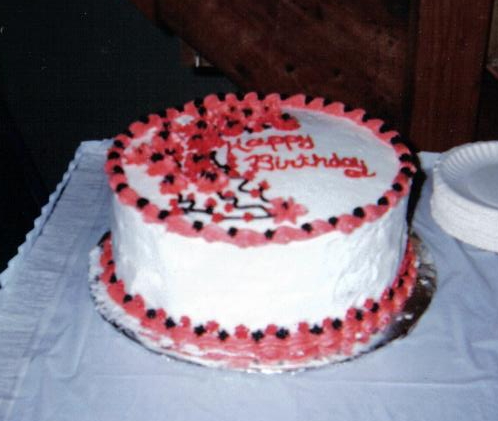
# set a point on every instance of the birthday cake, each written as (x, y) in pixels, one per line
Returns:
(251, 231)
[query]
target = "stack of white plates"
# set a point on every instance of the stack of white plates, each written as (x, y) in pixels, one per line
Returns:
(465, 198)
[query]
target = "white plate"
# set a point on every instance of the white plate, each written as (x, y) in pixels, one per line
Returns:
(465, 198)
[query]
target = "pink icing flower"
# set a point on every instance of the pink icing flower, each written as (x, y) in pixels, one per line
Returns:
(162, 165)
(212, 181)
(286, 210)
(174, 183)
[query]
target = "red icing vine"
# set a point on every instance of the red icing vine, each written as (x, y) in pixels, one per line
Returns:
(189, 151)
(273, 343)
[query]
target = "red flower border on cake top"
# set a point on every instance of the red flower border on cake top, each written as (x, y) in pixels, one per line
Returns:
(270, 344)
(191, 157)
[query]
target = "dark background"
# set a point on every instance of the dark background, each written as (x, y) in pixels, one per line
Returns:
(73, 71)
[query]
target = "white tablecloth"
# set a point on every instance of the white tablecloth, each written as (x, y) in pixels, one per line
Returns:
(60, 361)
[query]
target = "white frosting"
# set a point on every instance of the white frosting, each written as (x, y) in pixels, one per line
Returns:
(281, 284)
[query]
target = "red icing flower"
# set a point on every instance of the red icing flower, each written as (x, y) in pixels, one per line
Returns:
(264, 185)
(212, 181)
(217, 217)
(174, 183)
(286, 210)
(210, 203)
(248, 217)
(138, 155)
(162, 166)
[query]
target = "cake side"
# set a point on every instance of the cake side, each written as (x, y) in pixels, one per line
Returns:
(274, 348)
(255, 286)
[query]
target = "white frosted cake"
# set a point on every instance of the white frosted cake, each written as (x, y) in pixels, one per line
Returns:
(259, 231)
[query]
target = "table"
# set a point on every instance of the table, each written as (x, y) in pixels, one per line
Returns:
(60, 361)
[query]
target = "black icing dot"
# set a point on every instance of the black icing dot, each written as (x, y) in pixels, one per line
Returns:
(157, 157)
(113, 155)
(222, 335)
(391, 293)
(201, 124)
(231, 123)
(406, 158)
(113, 279)
(337, 324)
(316, 330)
(199, 330)
(397, 187)
(164, 134)
(366, 117)
(127, 298)
(333, 221)
(269, 234)
(121, 186)
(396, 139)
(232, 231)
(307, 227)
(257, 335)
(383, 201)
(407, 171)
(198, 157)
(163, 214)
(286, 116)
(327, 101)
(401, 281)
(117, 170)
(151, 313)
(359, 212)
(197, 225)
(169, 323)
(119, 144)
(169, 179)
(247, 112)
(282, 333)
(142, 202)
(359, 315)
(202, 110)
(375, 308)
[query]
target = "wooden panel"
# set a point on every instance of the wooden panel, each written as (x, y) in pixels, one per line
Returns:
(492, 58)
(148, 8)
(417, 63)
(452, 39)
(354, 51)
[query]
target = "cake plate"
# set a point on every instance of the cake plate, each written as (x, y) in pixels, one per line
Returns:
(399, 325)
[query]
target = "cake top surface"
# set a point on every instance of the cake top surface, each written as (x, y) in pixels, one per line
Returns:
(253, 171)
